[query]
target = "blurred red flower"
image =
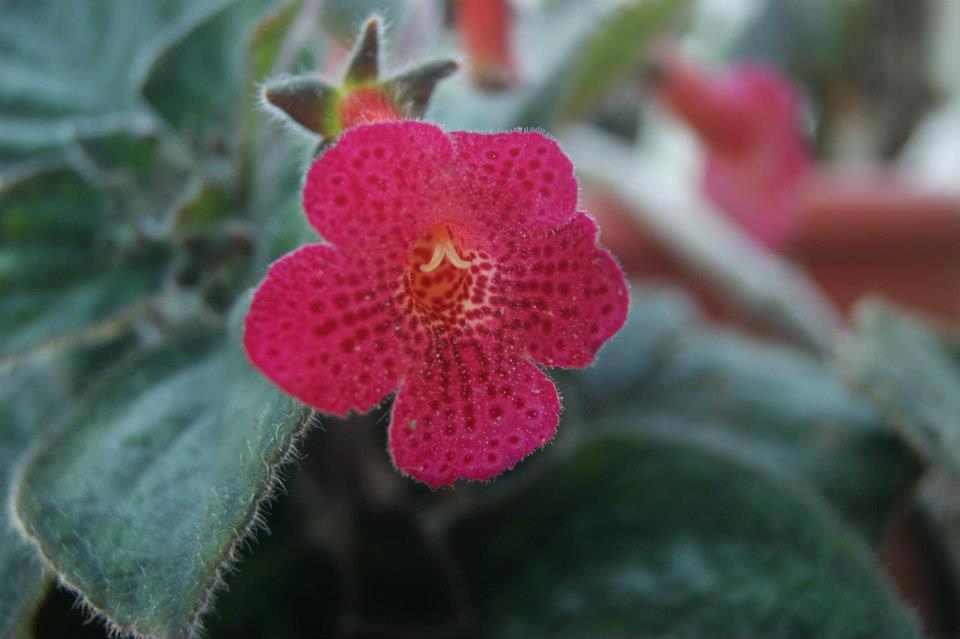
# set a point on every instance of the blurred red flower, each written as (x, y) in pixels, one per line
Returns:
(485, 29)
(748, 117)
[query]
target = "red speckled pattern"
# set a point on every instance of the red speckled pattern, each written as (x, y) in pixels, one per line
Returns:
(322, 328)
(469, 274)
(511, 184)
(470, 409)
(563, 295)
(749, 119)
(379, 188)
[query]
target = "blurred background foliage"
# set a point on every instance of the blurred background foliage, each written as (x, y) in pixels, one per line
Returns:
(765, 450)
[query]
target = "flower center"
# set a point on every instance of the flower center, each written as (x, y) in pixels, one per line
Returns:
(443, 248)
(446, 281)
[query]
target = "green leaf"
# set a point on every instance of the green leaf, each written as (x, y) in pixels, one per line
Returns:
(912, 377)
(32, 318)
(72, 71)
(200, 85)
(145, 178)
(664, 373)
(56, 205)
(61, 261)
(655, 537)
(618, 45)
(140, 500)
(268, 37)
(29, 396)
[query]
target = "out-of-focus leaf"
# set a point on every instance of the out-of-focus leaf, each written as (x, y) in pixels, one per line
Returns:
(268, 36)
(274, 164)
(911, 376)
(658, 537)
(32, 317)
(208, 206)
(60, 262)
(146, 178)
(284, 231)
(30, 396)
(140, 500)
(72, 70)
(199, 85)
(776, 404)
(617, 45)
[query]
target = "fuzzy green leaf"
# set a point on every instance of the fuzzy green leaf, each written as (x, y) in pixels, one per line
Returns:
(199, 85)
(140, 500)
(657, 537)
(72, 70)
(268, 36)
(618, 45)
(61, 266)
(663, 372)
(911, 375)
(30, 396)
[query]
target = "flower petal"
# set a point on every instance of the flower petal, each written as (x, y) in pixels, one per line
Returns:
(470, 413)
(512, 183)
(565, 295)
(320, 327)
(379, 188)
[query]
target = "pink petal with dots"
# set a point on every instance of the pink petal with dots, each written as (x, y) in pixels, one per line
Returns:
(380, 187)
(567, 296)
(469, 412)
(322, 328)
(512, 183)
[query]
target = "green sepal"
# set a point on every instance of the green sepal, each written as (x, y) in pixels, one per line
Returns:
(314, 103)
(308, 101)
(364, 63)
(412, 89)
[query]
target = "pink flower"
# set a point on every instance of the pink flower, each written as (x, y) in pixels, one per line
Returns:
(455, 263)
(748, 118)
